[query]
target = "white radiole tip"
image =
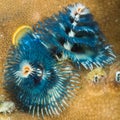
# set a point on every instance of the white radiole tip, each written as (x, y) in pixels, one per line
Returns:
(78, 9)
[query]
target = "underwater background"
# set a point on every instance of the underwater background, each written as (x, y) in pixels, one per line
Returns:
(99, 101)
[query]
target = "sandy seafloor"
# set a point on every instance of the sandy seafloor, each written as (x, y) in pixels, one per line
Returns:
(101, 102)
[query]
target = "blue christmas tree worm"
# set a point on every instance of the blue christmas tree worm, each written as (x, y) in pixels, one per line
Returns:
(35, 78)
(75, 35)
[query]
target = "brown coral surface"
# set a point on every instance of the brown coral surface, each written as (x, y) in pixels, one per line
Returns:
(93, 101)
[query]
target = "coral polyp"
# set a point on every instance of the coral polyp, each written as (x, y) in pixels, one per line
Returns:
(75, 35)
(39, 82)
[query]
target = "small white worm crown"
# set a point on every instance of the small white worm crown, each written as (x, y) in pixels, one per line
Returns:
(78, 9)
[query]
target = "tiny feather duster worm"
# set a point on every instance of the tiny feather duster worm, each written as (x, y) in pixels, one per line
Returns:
(75, 35)
(38, 82)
